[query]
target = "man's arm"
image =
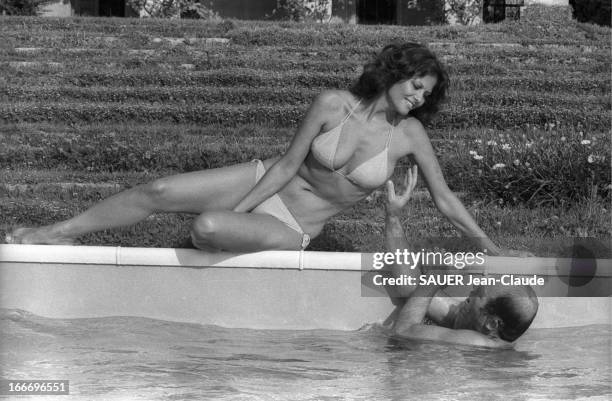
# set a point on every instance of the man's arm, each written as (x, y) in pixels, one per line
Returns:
(409, 325)
(395, 239)
(442, 334)
(394, 232)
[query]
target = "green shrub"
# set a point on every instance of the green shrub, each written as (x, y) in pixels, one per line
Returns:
(534, 168)
(594, 11)
(193, 9)
(548, 16)
(22, 7)
(301, 11)
(465, 12)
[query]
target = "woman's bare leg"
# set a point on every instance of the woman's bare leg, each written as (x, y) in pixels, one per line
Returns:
(243, 232)
(194, 192)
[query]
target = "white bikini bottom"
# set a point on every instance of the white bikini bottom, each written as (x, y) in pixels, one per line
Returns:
(274, 206)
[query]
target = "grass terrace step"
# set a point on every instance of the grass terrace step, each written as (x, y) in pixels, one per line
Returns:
(49, 137)
(519, 99)
(457, 63)
(112, 152)
(352, 48)
(227, 77)
(569, 82)
(358, 54)
(332, 52)
(163, 62)
(153, 137)
(456, 116)
(154, 134)
(130, 39)
(276, 116)
(170, 64)
(32, 176)
(272, 34)
(163, 140)
(34, 64)
(154, 94)
(84, 192)
(280, 96)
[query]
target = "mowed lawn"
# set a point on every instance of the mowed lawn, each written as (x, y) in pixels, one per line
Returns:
(90, 106)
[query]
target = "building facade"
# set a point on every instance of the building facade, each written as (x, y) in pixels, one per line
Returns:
(397, 12)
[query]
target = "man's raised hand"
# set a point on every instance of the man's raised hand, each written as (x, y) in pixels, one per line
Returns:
(397, 201)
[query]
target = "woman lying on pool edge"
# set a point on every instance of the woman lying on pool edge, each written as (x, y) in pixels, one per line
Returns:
(345, 148)
(492, 316)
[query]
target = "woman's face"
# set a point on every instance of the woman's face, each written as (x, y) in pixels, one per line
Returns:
(410, 94)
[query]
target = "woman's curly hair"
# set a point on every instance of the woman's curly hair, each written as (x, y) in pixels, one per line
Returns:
(397, 62)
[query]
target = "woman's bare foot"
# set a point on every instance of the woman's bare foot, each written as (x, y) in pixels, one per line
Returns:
(42, 235)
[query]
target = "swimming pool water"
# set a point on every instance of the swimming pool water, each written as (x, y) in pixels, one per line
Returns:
(130, 358)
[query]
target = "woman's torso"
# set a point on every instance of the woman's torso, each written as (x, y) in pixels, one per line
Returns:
(333, 179)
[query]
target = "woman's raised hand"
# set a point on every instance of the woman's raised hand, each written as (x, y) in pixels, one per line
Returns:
(397, 201)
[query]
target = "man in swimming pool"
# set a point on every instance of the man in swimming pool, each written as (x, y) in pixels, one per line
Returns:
(492, 316)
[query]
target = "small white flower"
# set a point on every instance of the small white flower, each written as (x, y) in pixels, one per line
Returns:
(581, 133)
(527, 164)
(478, 157)
(585, 142)
(517, 162)
(498, 166)
(562, 139)
(529, 144)
(505, 146)
(491, 143)
(590, 159)
(507, 186)
(473, 152)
